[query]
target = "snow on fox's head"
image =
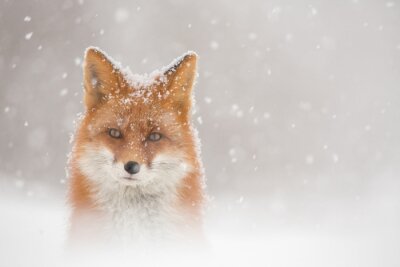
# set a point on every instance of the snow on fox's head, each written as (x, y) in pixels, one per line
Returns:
(136, 130)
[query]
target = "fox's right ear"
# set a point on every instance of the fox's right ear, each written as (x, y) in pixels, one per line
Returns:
(101, 77)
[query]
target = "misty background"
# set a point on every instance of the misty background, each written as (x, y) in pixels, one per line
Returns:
(297, 107)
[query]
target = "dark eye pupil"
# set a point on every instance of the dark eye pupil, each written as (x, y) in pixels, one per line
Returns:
(114, 133)
(155, 136)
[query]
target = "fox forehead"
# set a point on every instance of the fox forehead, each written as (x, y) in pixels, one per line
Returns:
(134, 115)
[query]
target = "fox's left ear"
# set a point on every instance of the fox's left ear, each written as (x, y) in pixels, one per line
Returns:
(101, 77)
(181, 75)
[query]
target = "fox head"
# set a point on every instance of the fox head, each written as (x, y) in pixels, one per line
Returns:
(136, 131)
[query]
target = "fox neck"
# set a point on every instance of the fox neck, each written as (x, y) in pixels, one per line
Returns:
(132, 213)
(122, 202)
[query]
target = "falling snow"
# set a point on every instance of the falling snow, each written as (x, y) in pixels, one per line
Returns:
(28, 36)
(208, 100)
(214, 45)
(121, 15)
(64, 92)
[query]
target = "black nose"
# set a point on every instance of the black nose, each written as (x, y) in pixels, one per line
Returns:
(132, 167)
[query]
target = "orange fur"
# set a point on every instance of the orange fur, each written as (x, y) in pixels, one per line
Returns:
(106, 91)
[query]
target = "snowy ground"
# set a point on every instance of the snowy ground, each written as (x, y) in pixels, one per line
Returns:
(240, 233)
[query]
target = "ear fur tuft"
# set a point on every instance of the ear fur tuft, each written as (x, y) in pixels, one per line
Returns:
(181, 75)
(101, 76)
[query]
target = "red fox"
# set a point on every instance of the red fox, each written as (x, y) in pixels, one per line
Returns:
(135, 170)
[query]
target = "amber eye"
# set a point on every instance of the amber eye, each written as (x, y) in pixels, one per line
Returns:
(114, 133)
(154, 137)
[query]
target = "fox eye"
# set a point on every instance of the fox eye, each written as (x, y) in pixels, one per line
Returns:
(114, 133)
(154, 137)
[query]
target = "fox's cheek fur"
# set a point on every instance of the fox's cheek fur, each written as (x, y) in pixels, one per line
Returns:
(163, 173)
(97, 163)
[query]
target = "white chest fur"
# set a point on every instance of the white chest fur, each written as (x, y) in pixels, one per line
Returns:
(135, 216)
